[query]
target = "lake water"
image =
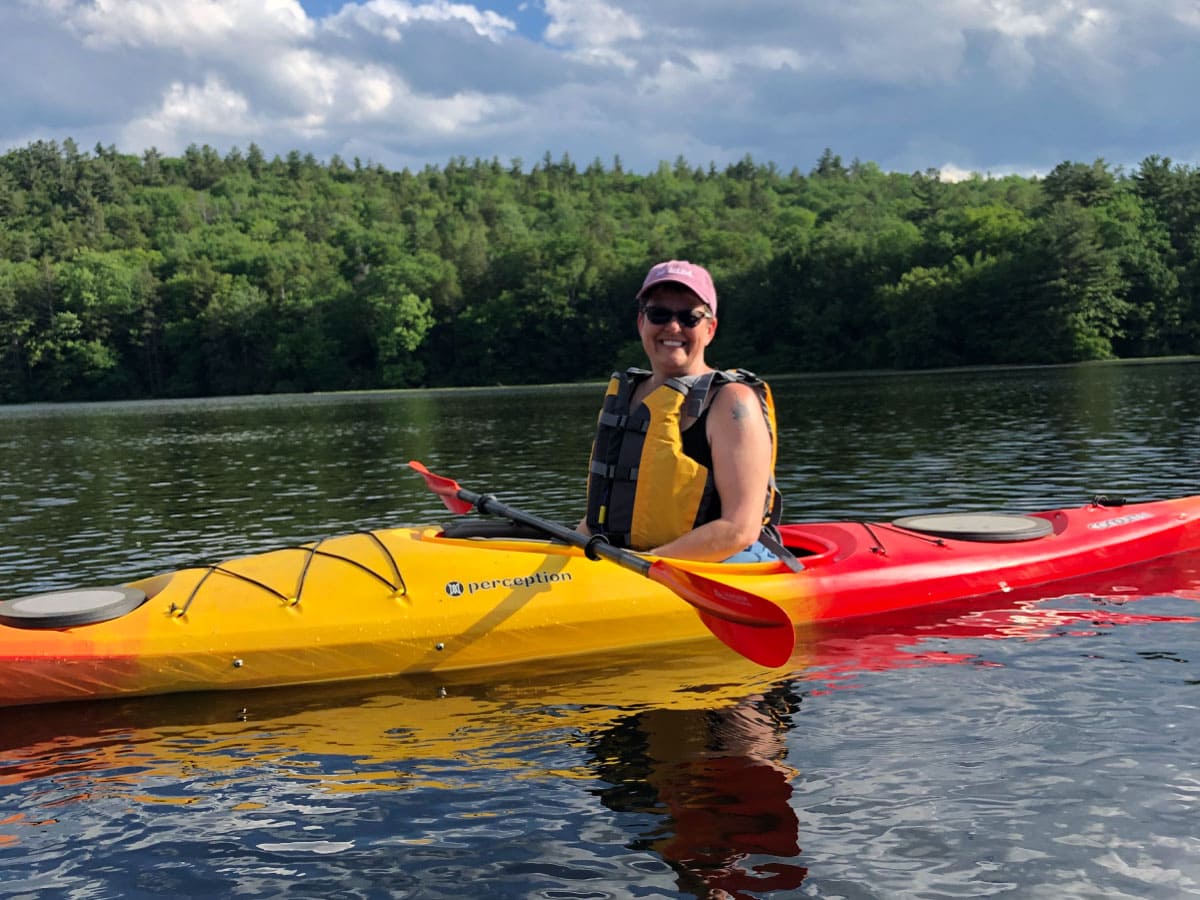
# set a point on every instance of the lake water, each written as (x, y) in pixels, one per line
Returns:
(1042, 747)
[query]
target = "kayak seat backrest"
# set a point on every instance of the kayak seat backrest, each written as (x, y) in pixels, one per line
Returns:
(495, 528)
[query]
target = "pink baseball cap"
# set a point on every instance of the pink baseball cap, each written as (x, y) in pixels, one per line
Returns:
(693, 277)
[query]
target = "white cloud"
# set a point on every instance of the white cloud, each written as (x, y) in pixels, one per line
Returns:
(189, 109)
(1186, 13)
(310, 81)
(371, 94)
(191, 25)
(589, 23)
(389, 17)
(953, 173)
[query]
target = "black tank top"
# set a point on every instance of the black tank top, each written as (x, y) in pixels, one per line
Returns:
(695, 446)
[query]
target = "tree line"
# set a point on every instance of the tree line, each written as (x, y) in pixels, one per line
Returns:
(126, 276)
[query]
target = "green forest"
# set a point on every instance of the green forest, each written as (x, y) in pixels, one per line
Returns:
(126, 276)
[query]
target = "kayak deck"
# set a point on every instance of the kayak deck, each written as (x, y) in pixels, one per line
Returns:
(414, 600)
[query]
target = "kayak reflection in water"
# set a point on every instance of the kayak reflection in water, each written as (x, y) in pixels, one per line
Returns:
(719, 780)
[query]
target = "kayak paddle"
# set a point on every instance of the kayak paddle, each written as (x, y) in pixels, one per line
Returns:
(752, 625)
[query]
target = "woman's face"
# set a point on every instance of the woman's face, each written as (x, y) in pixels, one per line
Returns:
(674, 348)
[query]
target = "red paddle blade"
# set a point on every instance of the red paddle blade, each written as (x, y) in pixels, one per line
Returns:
(752, 625)
(770, 647)
(446, 488)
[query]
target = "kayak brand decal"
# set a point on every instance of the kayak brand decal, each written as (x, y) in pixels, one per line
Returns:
(1120, 520)
(457, 588)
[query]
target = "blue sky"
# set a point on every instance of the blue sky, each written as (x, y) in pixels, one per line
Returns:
(528, 15)
(987, 86)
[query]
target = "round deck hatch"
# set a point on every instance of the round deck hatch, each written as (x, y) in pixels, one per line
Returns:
(66, 609)
(995, 527)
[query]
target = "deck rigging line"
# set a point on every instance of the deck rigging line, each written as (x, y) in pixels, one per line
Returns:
(397, 586)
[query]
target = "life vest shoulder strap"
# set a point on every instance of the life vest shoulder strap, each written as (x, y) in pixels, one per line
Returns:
(703, 387)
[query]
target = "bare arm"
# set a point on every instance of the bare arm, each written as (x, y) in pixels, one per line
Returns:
(741, 451)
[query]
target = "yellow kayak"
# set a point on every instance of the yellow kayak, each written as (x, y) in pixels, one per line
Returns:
(421, 600)
(387, 602)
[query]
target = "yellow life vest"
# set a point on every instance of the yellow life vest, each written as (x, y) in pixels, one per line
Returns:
(643, 488)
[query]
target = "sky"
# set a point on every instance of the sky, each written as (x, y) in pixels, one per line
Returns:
(962, 86)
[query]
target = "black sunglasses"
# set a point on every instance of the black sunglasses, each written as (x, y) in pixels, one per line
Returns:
(688, 318)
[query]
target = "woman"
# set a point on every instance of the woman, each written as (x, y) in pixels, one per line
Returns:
(683, 462)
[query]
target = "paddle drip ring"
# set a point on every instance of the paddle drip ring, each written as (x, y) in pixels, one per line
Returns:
(589, 549)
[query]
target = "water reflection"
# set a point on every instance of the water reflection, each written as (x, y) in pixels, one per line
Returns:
(719, 781)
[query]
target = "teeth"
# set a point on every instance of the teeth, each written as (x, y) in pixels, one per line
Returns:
(673, 343)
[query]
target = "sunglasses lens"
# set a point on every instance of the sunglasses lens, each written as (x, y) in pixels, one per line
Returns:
(660, 315)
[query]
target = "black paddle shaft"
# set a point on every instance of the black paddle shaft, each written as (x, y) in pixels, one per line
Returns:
(594, 547)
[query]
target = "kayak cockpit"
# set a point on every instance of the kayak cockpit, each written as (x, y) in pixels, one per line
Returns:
(804, 545)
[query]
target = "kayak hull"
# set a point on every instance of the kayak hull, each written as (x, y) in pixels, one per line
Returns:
(412, 600)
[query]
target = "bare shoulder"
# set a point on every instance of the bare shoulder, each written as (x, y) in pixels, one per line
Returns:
(736, 405)
(736, 399)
